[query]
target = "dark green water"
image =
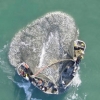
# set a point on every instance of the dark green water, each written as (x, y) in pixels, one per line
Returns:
(16, 14)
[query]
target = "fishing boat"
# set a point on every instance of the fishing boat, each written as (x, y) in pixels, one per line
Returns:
(65, 69)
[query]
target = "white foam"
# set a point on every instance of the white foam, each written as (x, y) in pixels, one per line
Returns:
(4, 47)
(35, 99)
(73, 94)
(42, 56)
(25, 86)
(76, 81)
(27, 90)
(3, 64)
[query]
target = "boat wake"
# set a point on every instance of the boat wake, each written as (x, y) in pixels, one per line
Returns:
(27, 90)
(26, 86)
(73, 94)
(76, 81)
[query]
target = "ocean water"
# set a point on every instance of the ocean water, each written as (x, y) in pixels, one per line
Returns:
(16, 14)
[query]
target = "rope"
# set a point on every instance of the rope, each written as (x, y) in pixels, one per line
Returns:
(51, 65)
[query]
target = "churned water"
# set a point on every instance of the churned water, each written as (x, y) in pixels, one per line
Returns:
(14, 15)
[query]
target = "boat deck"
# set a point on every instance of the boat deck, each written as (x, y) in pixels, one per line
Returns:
(46, 85)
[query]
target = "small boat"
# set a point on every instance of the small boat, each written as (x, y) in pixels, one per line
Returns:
(67, 71)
